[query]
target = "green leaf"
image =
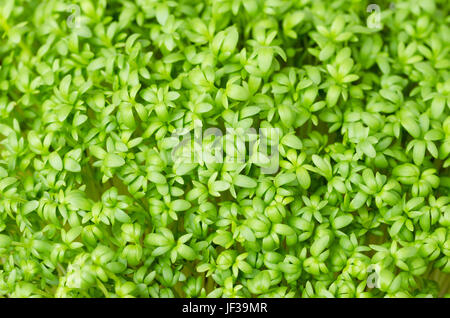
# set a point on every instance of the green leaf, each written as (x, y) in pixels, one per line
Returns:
(265, 55)
(238, 92)
(112, 160)
(156, 240)
(162, 13)
(30, 206)
(303, 178)
(327, 52)
(180, 205)
(223, 239)
(323, 165)
(55, 161)
(437, 106)
(187, 252)
(319, 245)
(156, 177)
(98, 152)
(419, 152)
(406, 173)
(283, 179)
(411, 126)
(71, 165)
(342, 221)
(5, 241)
(244, 181)
(121, 216)
(78, 201)
(220, 186)
(359, 200)
(286, 115)
(333, 95)
(260, 283)
(368, 149)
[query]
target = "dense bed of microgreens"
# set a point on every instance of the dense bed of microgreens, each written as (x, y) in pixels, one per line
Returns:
(93, 204)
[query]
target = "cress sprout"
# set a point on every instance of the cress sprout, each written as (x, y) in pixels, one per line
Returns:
(224, 148)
